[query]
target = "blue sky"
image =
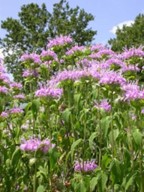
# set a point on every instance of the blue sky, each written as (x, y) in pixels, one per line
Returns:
(108, 13)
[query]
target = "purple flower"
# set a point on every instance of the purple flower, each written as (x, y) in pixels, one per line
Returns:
(51, 54)
(103, 52)
(131, 91)
(16, 85)
(4, 114)
(111, 77)
(31, 57)
(51, 92)
(75, 49)
(115, 61)
(36, 144)
(97, 47)
(30, 73)
(59, 41)
(84, 63)
(46, 145)
(3, 89)
(4, 77)
(85, 166)
(19, 96)
(71, 75)
(133, 52)
(30, 145)
(104, 105)
(16, 110)
(130, 68)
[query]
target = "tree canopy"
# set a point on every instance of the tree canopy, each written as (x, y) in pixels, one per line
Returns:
(36, 25)
(129, 36)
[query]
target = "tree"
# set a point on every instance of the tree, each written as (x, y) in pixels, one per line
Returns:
(129, 36)
(35, 25)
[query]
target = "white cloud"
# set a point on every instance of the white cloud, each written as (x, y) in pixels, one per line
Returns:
(120, 26)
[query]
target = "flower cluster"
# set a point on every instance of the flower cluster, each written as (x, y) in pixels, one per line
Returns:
(35, 144)
(30, 73)
(51, 55)
(85, 166)
(133, 52)
(59, 41)
(31, 57)
(104, 105)
(75, 49)
(49, 92)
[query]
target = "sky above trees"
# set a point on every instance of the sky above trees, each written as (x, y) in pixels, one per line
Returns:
(108, 13)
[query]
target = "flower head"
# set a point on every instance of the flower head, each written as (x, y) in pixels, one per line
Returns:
(85, 166)
(59, 41)
(35, 144)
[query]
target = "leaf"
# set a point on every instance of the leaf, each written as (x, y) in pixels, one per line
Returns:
(94, 182)
(91, 139)
(66, 114)
(35, 107)
(77, 98)
(116, 170)
(40, 189)
(74, 145)
(16, 157)
(129, 182)
(105, 124)
(104, 179)
(106, 159)
(137, 137)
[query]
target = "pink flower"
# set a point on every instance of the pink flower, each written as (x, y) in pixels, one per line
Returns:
(16, 110)
(36, 144)
(19, 96)
(51, 92)
(103, 105)
(51, 54)
(16, 85)
(30, 145)
(4, 114)
(3, 89)
(85, 166)
(59, 41)
(31, 57)
(75, 49)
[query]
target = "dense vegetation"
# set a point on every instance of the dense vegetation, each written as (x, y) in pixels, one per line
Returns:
(76, 123)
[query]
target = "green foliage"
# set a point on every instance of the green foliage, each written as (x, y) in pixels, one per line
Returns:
(129, 36)
(87, 119)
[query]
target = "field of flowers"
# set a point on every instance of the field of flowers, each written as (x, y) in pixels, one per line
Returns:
(76, 121)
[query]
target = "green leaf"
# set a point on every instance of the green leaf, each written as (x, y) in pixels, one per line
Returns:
(16, 157)
(104, 179)
(94, 182)
(105, 124)
(116, 171)
(77, 98)
(74, 145)
(91, 139)
(130, 182)
(106, 159)
(66, 114)
(137, 137)
(40, 189)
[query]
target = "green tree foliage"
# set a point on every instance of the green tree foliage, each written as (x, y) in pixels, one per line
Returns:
(36, 25)
(129, 36)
